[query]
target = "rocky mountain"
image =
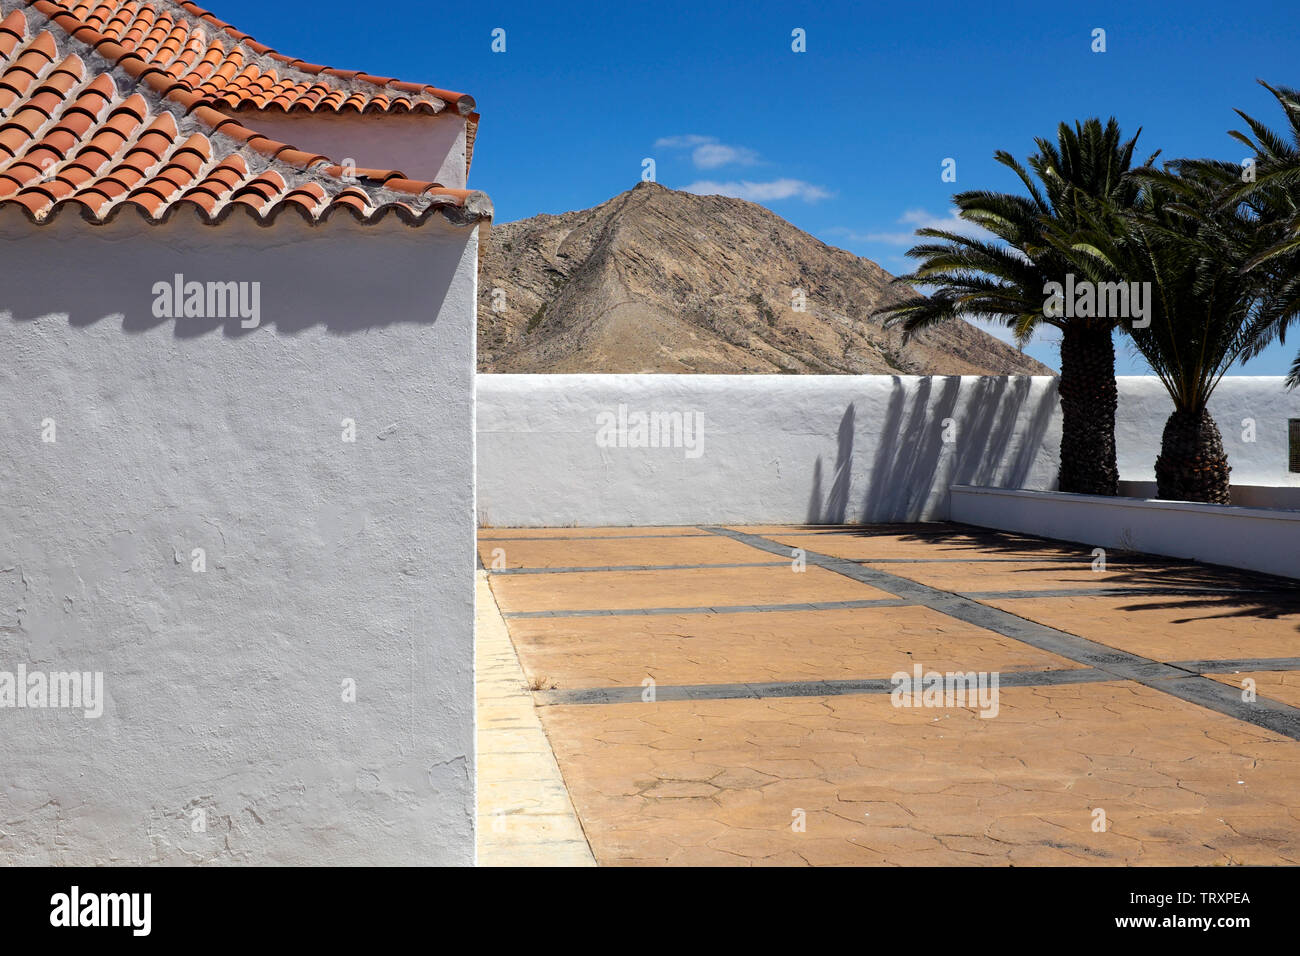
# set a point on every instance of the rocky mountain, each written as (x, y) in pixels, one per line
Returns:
(656, 280)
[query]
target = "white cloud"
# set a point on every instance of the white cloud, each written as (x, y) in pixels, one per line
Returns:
(713, 155)
(708, 153)
(918, 219)
(683, 142)
(759, 192)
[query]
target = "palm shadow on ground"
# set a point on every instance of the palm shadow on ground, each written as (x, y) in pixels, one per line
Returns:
(1229, 592)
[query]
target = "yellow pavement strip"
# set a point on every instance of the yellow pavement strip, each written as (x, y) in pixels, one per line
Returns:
(525, 817)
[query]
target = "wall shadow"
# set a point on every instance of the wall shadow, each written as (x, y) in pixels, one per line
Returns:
(298, 288)
(995, 442)
(837, 504)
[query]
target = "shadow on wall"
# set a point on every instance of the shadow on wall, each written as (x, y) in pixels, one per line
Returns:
(292, 287)
(995, 440)
(837, 505)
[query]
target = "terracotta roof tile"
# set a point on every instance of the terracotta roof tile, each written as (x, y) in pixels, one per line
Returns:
(152, 141)
(169, 35)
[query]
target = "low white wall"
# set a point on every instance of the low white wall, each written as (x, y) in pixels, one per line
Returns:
(792, 449)
(326, 560)
(1251, 538)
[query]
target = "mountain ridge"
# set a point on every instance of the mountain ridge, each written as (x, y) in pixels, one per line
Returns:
(656, 280)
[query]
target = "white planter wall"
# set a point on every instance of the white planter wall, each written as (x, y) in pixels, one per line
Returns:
(326, 561)
(791, 449)
(1250, 538)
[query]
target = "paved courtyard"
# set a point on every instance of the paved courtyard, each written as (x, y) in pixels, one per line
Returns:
(724, 696)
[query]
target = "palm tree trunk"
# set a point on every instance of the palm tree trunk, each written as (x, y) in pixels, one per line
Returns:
(1088, 399)
(1192, 465)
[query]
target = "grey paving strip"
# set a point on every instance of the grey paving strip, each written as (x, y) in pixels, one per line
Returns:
(717, 609)
(810, 688)
(574, 569)
(586, 537)
(859, 531)
(1241, 664)
(753, 690)
(1175, 681)
(1136, 590)
(1047, 559)
(643, 567)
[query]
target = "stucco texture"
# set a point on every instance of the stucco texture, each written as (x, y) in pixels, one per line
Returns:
(327, 561)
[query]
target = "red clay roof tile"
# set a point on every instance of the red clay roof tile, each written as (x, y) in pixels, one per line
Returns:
(68, 140)
(136, 28)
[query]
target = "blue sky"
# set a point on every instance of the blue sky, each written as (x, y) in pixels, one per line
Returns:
(845, 140)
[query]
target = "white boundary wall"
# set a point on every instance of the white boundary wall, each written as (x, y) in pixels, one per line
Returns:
(325, 560)
(1247, 496)
(792, 449)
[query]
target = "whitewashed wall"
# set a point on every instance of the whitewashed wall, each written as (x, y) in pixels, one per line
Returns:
(430, 148)
(325, 560)
(1239, 400)
(1237, 537)
(789, 449)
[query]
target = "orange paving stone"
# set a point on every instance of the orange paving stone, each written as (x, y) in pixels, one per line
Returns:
(768, 646)
(610, 552)
(1173, 628)
(496, 534)
(719, 781)
(706, 587)
(1282, 686)
(710, 782)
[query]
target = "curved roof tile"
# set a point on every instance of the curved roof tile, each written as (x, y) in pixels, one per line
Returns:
(150, 140)
(161, 32)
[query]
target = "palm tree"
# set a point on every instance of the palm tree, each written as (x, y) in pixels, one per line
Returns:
(1188, 249)
(1271, 191)
(1006, 279)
